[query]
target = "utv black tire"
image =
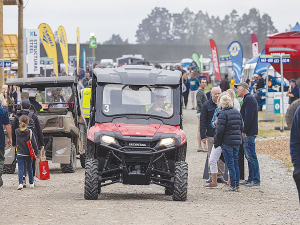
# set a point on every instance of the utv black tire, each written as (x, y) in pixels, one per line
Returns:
(71, 167)
(180, 181)
(169, 191)
(10, 169)
(181, 153)
(91, 180)
(291, 112)
(82, 160)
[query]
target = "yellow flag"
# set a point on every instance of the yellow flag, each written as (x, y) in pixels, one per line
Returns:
(78, 49)
(62, 37)
(48, 41)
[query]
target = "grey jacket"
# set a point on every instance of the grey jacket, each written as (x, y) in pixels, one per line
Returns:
(21, 138)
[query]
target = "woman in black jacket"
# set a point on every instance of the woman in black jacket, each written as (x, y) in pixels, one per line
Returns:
(228, 135)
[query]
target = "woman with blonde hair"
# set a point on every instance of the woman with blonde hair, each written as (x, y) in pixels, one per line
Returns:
(228, 135)
(236, 103)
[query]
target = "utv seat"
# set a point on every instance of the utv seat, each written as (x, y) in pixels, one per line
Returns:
(116, 106)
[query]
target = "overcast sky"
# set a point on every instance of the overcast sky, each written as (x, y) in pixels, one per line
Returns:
(107, 17)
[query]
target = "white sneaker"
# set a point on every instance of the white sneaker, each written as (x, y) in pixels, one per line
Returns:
(20, 187)
(31, 185)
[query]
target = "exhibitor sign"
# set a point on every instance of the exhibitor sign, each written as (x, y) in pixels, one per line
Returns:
(33, 51)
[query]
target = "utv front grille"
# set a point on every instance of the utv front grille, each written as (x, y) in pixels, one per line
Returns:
(136, 144)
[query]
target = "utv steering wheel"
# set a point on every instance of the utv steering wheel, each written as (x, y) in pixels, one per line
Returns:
(162, 113)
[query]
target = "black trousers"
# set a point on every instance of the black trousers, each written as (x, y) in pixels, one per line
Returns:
(296, 176)
(185, 97)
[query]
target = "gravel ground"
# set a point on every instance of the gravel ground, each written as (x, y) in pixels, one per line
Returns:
(60, 199)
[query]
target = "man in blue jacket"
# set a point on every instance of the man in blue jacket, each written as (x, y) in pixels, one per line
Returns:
(250, 117)
(295, 147)
(207, 132)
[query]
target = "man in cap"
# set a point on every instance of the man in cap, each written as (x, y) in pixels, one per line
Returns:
(250, 118)
(159, 106)
(293, 92)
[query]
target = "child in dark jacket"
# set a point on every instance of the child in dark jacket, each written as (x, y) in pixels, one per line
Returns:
(23, 135)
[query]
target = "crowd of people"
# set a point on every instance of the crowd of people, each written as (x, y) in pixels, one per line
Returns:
(225, 126)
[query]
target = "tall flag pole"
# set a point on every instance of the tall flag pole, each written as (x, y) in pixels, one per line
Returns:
(62, 37)
(255, 45)
(48, 41)
(215, 58)
(236, 54)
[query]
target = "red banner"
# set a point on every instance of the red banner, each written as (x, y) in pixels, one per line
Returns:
(215, 58)
(255, 45)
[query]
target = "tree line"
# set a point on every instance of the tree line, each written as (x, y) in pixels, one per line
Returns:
(188, 28)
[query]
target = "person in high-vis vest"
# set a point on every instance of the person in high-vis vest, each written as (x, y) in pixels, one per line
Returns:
(159, 106)
(86, 101)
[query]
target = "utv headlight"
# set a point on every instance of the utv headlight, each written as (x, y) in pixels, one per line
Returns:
(108, 139)
(167, 141)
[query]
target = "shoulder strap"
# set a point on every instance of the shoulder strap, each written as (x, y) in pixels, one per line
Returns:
(30, 114)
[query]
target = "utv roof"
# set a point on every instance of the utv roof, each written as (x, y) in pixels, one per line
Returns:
(36, 82)
(137, 75)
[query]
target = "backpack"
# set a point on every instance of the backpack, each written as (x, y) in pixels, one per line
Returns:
(31, 124)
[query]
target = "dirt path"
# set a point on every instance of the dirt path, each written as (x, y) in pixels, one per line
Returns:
(60, 199)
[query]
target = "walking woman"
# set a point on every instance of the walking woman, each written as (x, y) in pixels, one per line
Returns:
(185, 81)
(228, 135)
(23, 135)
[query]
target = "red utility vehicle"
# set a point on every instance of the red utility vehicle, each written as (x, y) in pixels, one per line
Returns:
(135, 134)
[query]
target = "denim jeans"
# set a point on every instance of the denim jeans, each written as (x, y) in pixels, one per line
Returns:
(231, 156)
(249, 149)
(21, 164)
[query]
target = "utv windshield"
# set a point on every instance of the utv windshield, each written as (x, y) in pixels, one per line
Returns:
(127, 99)
(51, 95)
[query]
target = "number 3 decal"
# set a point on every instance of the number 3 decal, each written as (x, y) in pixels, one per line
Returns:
(106, 108)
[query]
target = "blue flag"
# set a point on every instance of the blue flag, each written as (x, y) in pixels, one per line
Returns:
(261, 67)
(83, 59)
(236, 54)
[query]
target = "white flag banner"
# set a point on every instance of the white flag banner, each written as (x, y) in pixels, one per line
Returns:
(33, 51)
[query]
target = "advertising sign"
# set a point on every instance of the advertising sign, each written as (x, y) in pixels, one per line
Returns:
(255, 45)
(236, 54)
(48, 41)
(62, 37)
(33, 51)
(77, 48)
(215, 58)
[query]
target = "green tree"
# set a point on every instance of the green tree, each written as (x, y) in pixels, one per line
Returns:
(156, 28)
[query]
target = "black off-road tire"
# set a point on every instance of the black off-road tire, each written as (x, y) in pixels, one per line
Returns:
(91, 180)
(181, 152)
(180, 181)
(10, 169)
(291, 112)
(82, 160)
(71, 167)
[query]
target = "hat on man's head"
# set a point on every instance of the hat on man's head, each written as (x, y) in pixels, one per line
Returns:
(293, 80)
(26, 104)
(243, 84)
(255, 75)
